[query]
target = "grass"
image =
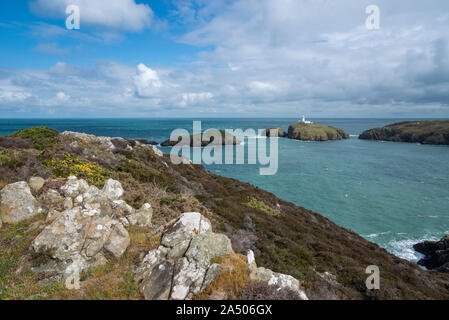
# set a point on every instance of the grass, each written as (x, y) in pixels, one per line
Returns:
(232, 279)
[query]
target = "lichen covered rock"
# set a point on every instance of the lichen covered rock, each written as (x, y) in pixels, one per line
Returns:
(183, 259)
(17, 203)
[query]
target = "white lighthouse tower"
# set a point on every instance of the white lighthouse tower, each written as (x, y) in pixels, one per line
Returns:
(303, 120)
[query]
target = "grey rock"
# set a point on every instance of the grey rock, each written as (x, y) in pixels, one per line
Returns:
(17, 203)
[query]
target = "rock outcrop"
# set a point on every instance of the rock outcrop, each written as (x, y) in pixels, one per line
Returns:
(436, 254)
(17, 203)
(315, 132)
(87, 229)
(425, 132)
(110, 144)
(181, 266)
(85, 225)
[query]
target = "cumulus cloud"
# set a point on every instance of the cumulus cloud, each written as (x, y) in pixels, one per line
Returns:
(116, 14)
(146, 81)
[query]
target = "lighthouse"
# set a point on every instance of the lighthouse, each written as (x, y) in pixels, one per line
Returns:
(303, 120)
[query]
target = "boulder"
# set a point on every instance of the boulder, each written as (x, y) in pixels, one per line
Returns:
(113, 189)
(180, 267)
(142, 217)
(36, 183)
(17, 203)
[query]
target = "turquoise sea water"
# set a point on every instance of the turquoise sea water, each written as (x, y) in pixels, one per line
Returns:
(394, 194)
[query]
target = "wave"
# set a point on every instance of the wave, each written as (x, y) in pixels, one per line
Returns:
(404, 248)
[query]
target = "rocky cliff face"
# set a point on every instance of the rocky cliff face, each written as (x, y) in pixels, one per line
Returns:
(139, 227)
(425, 132)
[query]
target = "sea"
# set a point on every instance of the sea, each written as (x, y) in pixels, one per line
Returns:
(393, 194)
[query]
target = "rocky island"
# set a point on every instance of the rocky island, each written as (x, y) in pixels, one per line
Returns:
(133, 225)
(425, 132)
(315, 132)
(226, 139)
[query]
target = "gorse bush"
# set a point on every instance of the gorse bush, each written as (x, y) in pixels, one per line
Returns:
(260, 205)
(71, 165)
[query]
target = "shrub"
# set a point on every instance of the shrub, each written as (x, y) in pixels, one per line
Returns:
(260, 205)
(42, 137)
(73, 166)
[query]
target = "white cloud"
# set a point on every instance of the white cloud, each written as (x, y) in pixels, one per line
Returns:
(116, 14)
(62, 97)
(195, 98)
(146, 81)
(13, 95)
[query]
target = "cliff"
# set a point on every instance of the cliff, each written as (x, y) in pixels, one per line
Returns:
(425, 132)
(120, 211)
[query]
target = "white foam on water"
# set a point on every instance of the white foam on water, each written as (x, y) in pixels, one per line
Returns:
(404, 248)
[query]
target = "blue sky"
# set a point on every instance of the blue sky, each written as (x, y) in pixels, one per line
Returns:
(248, 58)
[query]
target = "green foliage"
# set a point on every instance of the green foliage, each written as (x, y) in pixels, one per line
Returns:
(42, 137)
(74, 166)
(169, 200)
(260, 205)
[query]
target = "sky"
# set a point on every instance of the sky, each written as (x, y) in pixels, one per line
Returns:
(224, 58)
